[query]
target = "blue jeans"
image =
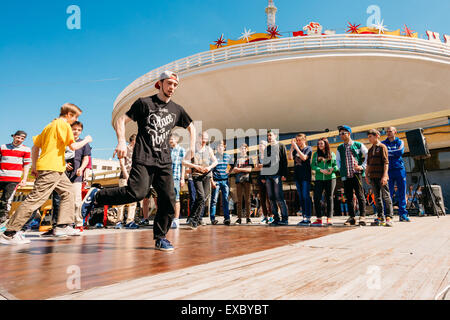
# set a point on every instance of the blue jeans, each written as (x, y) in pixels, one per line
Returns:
(225, 189)
(398, 177)
(303, 188)
(274, 187)
(344, 207)
(191, 188)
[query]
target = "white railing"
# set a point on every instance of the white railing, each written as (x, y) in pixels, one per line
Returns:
(292, 44)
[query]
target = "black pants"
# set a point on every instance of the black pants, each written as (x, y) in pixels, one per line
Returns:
(262, 191)
(56, 200)
(319, 187)
(139, 182)
(355, 184)
(382, 195)
(202, 191)
(7, 189)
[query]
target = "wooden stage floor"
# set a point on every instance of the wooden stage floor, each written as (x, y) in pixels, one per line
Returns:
(41, 270)
(408, 261)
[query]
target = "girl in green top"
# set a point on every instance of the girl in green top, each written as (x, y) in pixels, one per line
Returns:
(325, 165)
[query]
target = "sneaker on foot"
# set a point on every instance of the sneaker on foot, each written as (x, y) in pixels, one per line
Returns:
(270, 220)
(144, 222)
(404, 218)
(238, 221)
(249, 221)
(264, 220)
(66, 231)
(378, 222)
(350, 222)
(274, 223)
(283, 223)
(163, 245)
(99, 226)
(17, 239)
(192, 225)
(329, 222)
(175, 224)
(131, 225)
(89, 202)
(362, 221)
(214, 222)
(389, 222)
(118, 225)
(227, 222)
(80, 228)
(48, 234)
(317, 223)
(304, 223)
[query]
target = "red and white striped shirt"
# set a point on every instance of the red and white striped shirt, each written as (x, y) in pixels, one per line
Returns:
(12, 161)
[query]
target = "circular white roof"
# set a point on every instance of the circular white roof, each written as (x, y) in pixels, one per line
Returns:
(306, 83)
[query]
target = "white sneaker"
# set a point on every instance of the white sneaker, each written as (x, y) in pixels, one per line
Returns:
(17, 239)
(175, 224)
(67, 231)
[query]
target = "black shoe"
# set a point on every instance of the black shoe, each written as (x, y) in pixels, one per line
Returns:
(274, 223)
(238, 221)
(249, 221)
(350, 222)
(49, 233)
(192, 225)
(214, 222)
(144, 222)
(227, 222)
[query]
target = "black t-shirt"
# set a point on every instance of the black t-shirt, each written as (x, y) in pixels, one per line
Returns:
(302, 169)
(76, 160)
(155, 120)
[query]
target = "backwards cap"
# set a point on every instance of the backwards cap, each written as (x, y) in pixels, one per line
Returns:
(166, 75)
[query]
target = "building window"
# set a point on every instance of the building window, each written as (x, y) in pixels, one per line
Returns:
(440, 160)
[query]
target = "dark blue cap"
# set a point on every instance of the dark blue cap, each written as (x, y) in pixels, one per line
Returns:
(346, 128)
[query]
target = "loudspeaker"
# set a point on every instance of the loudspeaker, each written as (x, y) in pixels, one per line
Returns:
(440, 206)
(417, 144)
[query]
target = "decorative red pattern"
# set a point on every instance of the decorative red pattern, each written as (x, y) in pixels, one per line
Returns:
(353, 28)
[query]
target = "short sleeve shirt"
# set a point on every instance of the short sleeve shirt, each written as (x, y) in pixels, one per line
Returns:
(244, 163)
(76, 162)
(53, 141)
(302, 168)
(155, 120)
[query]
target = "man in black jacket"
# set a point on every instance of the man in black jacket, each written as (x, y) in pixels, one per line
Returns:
(275, 169)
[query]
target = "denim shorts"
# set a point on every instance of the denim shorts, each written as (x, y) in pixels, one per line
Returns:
(177, 189)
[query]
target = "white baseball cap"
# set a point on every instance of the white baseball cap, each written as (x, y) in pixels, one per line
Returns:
(166, 75)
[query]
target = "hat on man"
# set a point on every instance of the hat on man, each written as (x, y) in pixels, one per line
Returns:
(346, 128)
(19, 133)
(166, 75)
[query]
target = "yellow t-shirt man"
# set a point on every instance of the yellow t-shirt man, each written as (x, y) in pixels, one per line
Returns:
(53, 141)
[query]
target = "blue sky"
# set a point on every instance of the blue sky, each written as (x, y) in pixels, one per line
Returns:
(44, 64)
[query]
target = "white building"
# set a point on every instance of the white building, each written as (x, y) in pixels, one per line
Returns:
(100, 166)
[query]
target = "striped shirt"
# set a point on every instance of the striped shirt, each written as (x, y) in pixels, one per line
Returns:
(351, 161)
(377, 158)
(12, 161)
(177, 155)
(220, 171)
